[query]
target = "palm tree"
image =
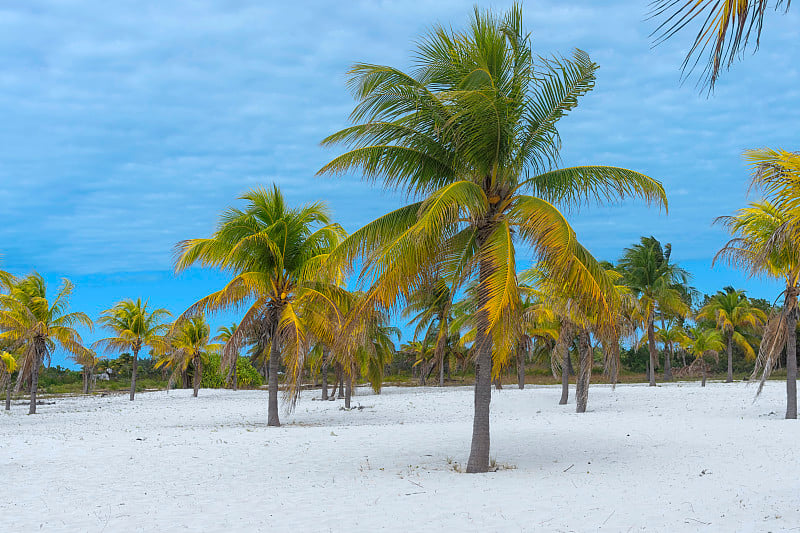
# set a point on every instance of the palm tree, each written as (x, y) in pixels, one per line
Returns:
(224, 334)
(134, 327)
(35, 326)
(761, 246)
(188, 347)
(733, 315)
(275, 254)
(725, 31)
(430, 307)
(88, 362)
(704, 343)
(671, 335)
(8, 365)
(471, 133)
(647, 271)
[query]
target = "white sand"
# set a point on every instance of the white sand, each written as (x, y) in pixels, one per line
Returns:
(634, 462)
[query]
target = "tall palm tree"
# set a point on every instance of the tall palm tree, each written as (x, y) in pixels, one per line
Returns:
(471, 133)
(133, 327)
(8, 365)
(224, 334)
(35, 326)
(733, 315)
(725, 30)
(275, 254)
(188, 346)
(704, 343)
(670, 335)
(761, 246)
(647, 271)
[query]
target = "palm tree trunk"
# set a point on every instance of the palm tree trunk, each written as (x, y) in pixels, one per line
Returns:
(349, 391)
(133, 372)
(791, 354)
(479, 450)
(235, 375)
(325, 355)
(651, 344)
(85, 381)
(704, 374)
(667, 354)
(35, 380)
(440, 346)
(340, 373)
(198, 369)
(8, 394)
(520, 368)
(274, 354)
(729, 379)
(564, 374)
(584, 372)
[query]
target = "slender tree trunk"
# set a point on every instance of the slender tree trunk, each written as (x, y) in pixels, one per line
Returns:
(498, 383)
(479, 451)
(349, 391)
(570, 368)
(325, 355)
(274, 356)
(704, 374)
(729, 379)
(584, 372)
(683, 357)
(340, 373)
(133, 371)
(791, 354)
(651, 344)
(85, 381)
(441, 372)
(8, 394)
(668, 363)
(35, 379)
(198, 372)
(520, 368)
(440, 349)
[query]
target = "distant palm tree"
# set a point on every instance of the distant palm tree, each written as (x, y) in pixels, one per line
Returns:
(134, 327)
(671, 335)
(725, 31)
(88, 362)
(704, 343)
(188, 348)
(224, 334)
(762, 244)
(733, 315)
(35, 326)
(275, 254)
(647, 271)
(430, 307)
(471, 133)
(8, 365)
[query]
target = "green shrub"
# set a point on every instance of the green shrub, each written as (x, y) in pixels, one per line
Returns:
(213, 378)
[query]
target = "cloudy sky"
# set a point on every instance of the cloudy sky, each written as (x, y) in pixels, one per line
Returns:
(128, 126)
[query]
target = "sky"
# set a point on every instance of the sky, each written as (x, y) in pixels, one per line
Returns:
(128, 126)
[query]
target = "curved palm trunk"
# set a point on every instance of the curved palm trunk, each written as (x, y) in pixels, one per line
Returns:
(8, 394)
(39, 350)
(729, 379)
(274, 355)
(520, 368)
(651, 344)
(791, 355)
(133, 371)
(564, 376)
(440, 346)
(479, 450)
(325, 355)
(584, 372)
(198, 372)
(235, 375)
(349, 391)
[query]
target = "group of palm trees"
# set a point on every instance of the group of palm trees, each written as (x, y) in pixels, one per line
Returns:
(470, 135)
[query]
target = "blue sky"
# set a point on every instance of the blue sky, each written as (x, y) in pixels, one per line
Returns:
(129, 126)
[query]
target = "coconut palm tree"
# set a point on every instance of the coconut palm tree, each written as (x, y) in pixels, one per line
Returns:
(188, 347)
(224, 334)
(647, 271)
(762, 244)
(725, 30)
(275, 254)
(133, 327)
(88, 362)
(733, 315)
(670, 334)
(471, 134)
(8, 365)
(704, 343)
(34, 326)
(430, 308)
